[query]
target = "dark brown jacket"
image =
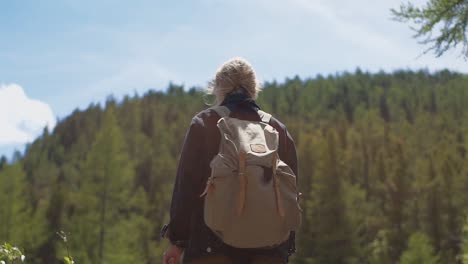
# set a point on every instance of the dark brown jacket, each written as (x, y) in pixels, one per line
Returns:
(186, 226)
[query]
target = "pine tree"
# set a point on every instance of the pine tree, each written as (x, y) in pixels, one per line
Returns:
(440, 23)
(15, 212)
(328, 214)
(398, 193)
(106, 189)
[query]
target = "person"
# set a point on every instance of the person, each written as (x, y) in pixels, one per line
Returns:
(236, 87)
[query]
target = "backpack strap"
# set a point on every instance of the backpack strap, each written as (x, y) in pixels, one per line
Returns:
(264, 116)
(221, 110)
(242, 183)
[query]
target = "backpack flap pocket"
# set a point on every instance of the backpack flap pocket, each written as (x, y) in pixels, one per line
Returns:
(219, 200)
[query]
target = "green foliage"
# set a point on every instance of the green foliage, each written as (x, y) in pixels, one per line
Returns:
(439, 23)
(20, 225)
(14, 207)
(10, 254)
(381, 157)
(379, 249)
(326, 209)
(68, 258)
(107, 175)
(419, 251)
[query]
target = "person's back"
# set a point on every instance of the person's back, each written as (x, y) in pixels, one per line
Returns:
(235, 87)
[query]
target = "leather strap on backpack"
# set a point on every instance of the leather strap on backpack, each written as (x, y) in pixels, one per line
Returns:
(279, 205)
(221, 110)
(264, 116)
(242, 182)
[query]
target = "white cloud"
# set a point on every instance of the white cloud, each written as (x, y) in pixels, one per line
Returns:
(21, 118)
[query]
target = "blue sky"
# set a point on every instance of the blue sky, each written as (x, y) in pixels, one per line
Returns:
(56, 56)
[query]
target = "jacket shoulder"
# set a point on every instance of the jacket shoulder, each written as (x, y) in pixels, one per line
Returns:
(204, 117)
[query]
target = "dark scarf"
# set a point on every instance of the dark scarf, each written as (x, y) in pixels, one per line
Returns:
(240, 101)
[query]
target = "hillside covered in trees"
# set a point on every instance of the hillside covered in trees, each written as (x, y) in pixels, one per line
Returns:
(382, 157)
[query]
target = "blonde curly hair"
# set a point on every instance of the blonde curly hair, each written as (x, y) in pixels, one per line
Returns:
(234, 76)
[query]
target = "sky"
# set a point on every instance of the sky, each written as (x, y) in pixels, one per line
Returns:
(58, 56)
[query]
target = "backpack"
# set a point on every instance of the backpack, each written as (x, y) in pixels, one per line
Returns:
(251, 197)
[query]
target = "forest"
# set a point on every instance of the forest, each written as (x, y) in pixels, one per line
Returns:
(382, 166)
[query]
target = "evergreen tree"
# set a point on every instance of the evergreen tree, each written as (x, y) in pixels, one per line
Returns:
(106, 189)
(104, 175)
(14, 209)
(439, 23)
(328, 212)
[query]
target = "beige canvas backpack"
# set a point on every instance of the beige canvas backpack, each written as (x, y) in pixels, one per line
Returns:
(251, 197)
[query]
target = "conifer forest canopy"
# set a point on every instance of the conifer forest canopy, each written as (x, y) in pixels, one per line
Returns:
(382, 165)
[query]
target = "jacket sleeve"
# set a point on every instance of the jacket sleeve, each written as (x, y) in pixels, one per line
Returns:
(288, 154)
(187, 178)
